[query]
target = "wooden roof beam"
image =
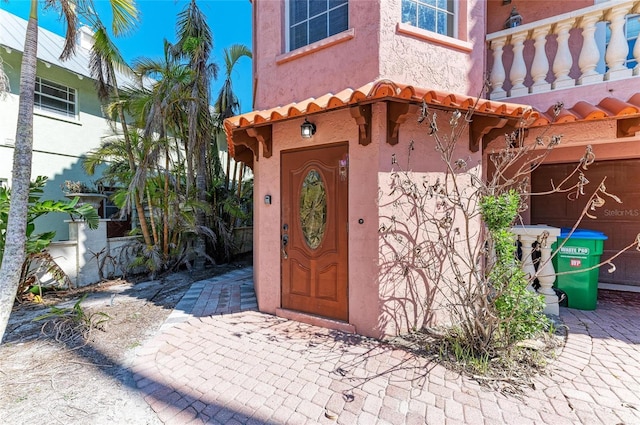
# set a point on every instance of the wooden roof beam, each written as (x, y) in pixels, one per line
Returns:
(628, 127)
(362, 115)
(264, 136)
(397, 114)
(485, 129)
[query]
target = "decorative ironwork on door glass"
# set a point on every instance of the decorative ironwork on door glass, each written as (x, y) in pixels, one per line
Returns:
(313, 209)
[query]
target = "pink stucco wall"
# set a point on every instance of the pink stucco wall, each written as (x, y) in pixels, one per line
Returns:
(375, 290)
(530, 10)
(331, 128)
(315, 71)
(376, 46)
(414, 285)
(413, 56)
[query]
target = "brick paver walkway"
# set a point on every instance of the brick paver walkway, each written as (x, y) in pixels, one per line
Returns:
(227, 363)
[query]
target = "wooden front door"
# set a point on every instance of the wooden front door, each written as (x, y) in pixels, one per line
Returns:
(314, 250)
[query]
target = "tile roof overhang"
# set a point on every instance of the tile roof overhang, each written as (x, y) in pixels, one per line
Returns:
(627, 114)
(245, 132)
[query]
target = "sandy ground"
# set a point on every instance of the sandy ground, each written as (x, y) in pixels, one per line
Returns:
(43, 380)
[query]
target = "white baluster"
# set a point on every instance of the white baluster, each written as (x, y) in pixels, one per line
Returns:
(498, 74)
(617, 49)
(589, 55)
(545, 236)
(563, 60)
(518, 67)
(526, 244)
(540, 64)
(547, 275)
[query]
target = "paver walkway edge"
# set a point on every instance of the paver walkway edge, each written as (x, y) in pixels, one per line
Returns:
(218, 360)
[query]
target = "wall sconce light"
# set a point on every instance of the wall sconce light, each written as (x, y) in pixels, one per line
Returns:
(514, 20)
(307, 129)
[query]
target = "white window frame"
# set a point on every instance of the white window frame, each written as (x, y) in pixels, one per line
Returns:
(454, 13)
(288, 23)
(51, 109)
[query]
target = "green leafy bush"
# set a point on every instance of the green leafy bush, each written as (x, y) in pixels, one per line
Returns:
(38, 242)
(521, 311)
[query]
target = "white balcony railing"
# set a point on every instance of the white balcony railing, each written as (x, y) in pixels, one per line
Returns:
(529, 52)
(545, 236)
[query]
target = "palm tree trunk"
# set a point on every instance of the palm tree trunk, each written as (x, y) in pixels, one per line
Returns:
(240, 177)
(154, 229)
(14, 251)
(144, 227)
(165, 218)
(226, 176)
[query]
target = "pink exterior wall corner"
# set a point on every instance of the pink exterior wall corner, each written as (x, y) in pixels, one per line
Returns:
(416, 57)
(380, 304)
(376, 46)
(317, 70)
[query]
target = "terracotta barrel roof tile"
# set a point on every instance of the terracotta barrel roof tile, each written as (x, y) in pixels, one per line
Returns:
(587, 111)
(617, 107)
(635, 99)
(371, 92)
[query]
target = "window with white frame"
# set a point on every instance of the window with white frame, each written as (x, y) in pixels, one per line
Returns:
(56, 98)
(313, 20)
(432, 15)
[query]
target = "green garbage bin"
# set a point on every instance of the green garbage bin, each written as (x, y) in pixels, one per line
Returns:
(581, 251)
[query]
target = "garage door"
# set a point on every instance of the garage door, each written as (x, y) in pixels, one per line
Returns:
(620, 222)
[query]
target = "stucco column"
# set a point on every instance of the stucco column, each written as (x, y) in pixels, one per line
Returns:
(89, 244)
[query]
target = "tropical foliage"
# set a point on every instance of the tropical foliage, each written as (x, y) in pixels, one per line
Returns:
(37, 259)
(165, 156)
(124, 17)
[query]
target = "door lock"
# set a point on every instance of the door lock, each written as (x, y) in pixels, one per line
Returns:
(285, 241)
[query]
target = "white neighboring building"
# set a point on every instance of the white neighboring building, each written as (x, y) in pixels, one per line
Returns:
(68, 119)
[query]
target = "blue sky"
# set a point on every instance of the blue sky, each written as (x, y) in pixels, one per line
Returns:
(230, 21)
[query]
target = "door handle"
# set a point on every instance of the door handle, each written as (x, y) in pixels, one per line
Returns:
(285, 241)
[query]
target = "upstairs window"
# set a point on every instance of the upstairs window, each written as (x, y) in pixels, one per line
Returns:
(55, 98)
(430, 15)
(313, 20)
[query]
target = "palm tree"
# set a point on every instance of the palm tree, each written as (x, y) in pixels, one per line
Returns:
(105, 60)
(163, 115)
(124, 18)
(195, 44)
(227, 103)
